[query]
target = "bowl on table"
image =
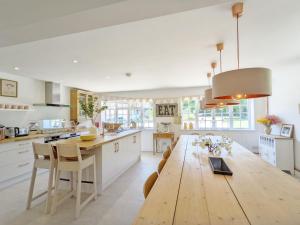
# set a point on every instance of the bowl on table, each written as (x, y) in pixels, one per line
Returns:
(88, 137)
(111, 127)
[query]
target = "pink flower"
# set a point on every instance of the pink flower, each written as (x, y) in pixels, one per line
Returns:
(273, 119)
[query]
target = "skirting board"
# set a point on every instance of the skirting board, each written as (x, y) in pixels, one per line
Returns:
(297, 173)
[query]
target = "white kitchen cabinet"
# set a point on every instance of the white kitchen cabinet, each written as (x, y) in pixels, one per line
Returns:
(118, 156)
(16, 160)
(278, 151)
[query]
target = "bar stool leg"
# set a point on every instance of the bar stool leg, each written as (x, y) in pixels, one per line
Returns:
(95, 179)
(50, 185)
(55, 197)
(72, 183)
(78, 193)
(30, 194)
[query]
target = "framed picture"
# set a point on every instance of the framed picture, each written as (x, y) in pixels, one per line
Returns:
(286, 130)
(9, 88)
(166, 110)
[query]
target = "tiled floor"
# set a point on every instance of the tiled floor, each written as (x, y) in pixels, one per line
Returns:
(118, 205)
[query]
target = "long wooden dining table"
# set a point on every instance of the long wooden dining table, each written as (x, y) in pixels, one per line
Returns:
(187, 192)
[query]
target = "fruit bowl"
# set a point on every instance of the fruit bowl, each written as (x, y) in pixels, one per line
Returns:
(88, 137)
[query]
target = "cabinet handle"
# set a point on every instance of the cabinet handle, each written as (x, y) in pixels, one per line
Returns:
(22, 152)
(134, 139)
(22, 144)
(24, 164)
(116, 146)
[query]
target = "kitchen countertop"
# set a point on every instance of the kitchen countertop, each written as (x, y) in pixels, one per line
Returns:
(100, 140)
(188, 192)
(24, 138)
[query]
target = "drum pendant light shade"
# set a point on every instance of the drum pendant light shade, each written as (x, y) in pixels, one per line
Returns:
(242, 84)
(209, 100)
(203, 105)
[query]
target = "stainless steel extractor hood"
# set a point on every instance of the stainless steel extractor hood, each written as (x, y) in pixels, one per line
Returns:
(52, 95)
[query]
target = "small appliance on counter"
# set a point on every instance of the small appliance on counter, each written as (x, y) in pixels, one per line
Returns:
(12, 132)
(2, 132)
(163, 127)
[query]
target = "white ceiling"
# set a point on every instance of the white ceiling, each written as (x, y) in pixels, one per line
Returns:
(168, 51)
(31, 20)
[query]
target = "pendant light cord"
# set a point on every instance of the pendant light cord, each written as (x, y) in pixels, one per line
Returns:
(238, 41)
(220, 61)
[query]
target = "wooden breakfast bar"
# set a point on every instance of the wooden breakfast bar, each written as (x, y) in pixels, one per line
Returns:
(188, 193)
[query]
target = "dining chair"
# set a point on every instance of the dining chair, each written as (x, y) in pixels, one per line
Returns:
(161, 165)
(149, 183)
(167, 153)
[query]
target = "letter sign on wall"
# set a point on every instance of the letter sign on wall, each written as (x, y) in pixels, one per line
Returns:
(166, 110)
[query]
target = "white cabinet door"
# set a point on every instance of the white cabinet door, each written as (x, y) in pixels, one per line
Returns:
(109, 162)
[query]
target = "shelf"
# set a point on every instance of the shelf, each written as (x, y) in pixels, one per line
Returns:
(51, 105)
(17, 110)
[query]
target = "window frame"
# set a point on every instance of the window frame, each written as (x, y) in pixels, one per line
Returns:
(250, 116)
(130, 107)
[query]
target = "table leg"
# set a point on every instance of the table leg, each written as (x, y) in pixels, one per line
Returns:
(154, 144)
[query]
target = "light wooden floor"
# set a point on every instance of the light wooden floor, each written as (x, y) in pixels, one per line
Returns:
(118, 205)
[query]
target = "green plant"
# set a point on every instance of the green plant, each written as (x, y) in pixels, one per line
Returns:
(90, 108)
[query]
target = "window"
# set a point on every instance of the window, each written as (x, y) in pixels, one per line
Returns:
(125, 112)
(110, 112)
(189, 110)
(232, 117)
(241, 115)
(136, 113)
(148, 115)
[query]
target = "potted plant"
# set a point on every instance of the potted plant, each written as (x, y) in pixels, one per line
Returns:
(268, 121)
(91, 110)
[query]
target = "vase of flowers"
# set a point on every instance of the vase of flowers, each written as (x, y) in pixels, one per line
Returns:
(268, 121)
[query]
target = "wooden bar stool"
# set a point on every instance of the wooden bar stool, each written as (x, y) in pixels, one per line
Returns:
(43, 159)
(149, 183)
(70, 160)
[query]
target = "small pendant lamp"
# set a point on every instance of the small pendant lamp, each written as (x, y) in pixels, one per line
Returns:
(203, 106)
(242, 83)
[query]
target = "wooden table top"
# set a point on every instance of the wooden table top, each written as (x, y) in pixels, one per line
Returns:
(100, 140)
(188, 193)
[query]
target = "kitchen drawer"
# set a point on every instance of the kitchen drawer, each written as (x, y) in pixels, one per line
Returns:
(19, 144)
(16, 155)
(13, 170)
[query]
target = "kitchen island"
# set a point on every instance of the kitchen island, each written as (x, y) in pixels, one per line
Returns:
(115, 153)
(188, 193)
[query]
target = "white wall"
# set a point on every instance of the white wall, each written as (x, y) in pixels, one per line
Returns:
(31, 91)
(247, 138)
(285, 100)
